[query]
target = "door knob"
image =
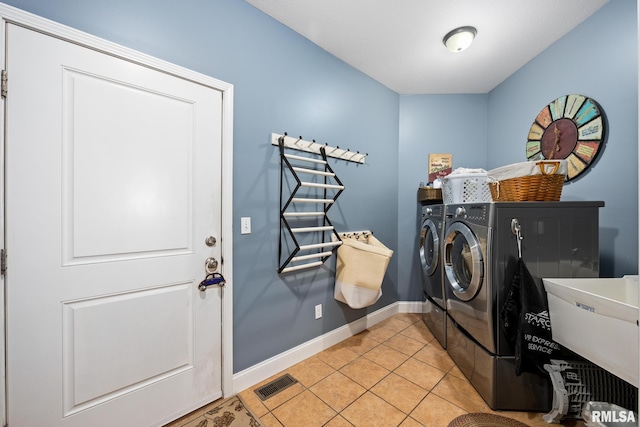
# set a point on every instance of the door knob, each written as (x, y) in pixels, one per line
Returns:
(211, 264)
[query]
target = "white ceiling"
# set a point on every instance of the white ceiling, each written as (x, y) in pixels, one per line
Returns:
(399, 42)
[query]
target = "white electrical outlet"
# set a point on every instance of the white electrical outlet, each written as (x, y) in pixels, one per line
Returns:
(245, 225)
(318, 311)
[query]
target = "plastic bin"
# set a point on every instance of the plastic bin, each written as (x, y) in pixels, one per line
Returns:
(592, 316)
(466, 188)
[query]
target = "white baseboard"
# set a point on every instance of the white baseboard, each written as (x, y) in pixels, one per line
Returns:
(263, 370)
(410, 306)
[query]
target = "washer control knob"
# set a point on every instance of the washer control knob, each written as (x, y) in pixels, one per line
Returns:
(428, 211)
(461, 211)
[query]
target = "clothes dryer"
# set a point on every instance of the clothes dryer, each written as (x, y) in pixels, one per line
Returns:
(430, 250)
(480, 252)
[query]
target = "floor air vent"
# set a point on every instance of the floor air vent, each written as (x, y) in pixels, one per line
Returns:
(275, 386)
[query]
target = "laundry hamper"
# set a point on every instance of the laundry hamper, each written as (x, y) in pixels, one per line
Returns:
(360, 266)
(465, 188)
(540, 181)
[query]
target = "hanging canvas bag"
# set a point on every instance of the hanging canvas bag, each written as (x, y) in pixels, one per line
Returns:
(361, 263)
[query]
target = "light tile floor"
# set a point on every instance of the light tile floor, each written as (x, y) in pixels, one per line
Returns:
(392, 374)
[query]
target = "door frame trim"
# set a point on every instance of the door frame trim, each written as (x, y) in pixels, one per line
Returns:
(10, 14)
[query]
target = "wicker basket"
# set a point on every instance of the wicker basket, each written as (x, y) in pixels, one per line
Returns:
(429, 195)
(543, 187)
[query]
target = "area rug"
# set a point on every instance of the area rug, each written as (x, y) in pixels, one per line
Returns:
(231, 413)
(482, 419)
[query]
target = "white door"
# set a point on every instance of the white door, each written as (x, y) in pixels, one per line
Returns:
(112, 187)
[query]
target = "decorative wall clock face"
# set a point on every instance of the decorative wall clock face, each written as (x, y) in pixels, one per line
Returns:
(571, 127)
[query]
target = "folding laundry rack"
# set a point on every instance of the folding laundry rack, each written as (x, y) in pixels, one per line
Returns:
(312, 226)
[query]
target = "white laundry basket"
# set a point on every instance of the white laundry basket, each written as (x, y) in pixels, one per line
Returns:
(465, 188)
(360, 267)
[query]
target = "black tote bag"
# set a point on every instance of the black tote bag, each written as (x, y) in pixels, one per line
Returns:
(525, 321)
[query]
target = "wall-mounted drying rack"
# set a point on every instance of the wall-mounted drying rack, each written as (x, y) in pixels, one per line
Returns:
(314, 147)
(311, 226)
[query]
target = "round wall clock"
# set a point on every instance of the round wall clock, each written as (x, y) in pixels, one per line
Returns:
(570, 127)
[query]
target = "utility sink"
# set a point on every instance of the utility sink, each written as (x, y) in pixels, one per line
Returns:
(598, 319)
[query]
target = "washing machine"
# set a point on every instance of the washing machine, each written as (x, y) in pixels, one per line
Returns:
(480, 253)
(430, 250)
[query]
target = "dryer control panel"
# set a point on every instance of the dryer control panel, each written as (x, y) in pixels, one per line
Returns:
(476, 213)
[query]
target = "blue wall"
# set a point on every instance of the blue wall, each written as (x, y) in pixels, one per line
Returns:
(285, 83)
(282, 83)
(598, 59)
(455, 124)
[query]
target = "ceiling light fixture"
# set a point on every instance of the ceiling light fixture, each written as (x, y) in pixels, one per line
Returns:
(459, 39)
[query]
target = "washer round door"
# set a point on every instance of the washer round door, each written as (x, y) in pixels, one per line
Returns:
(429, 247)
(463, 261)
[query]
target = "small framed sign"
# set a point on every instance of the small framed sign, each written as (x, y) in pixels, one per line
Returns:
(440, 165)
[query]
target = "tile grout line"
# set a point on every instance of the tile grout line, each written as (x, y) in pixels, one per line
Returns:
(370, 389)
(344, 350)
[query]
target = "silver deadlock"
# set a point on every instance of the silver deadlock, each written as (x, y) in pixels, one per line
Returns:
(211, 264)
(210, 241)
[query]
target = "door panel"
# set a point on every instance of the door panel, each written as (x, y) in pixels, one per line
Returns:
(97, 331)
(117, 202)
(112, 185)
